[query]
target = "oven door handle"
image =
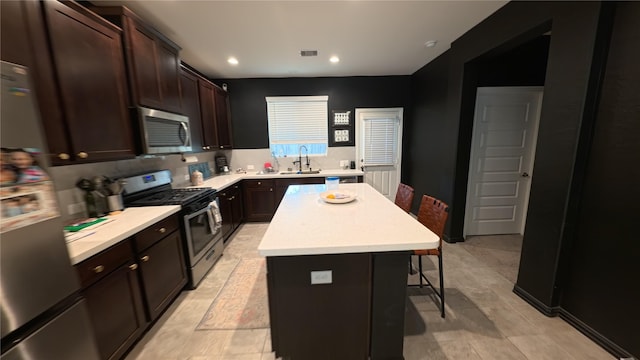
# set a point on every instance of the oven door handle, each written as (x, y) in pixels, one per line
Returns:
(213, 212)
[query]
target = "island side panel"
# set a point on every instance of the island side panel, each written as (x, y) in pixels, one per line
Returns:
(389, 296)
(320, 321)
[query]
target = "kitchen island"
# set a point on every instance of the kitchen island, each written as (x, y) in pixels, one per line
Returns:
(337, 274)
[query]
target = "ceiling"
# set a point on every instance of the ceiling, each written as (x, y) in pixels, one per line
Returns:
(371, 38)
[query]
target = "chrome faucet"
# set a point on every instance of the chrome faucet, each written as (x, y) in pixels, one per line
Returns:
(299, 161)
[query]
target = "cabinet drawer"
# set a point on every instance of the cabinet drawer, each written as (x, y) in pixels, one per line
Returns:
(266, 183)
(155, 232)
(102, 264)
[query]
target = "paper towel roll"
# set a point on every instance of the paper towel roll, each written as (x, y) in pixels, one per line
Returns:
(190, 159)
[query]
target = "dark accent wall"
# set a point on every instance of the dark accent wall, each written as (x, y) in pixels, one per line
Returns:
(566, 231)
(602, 245)
(424, 167)
(525, 65)
(249, 108)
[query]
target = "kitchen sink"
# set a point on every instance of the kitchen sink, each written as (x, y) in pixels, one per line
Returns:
(300, 172)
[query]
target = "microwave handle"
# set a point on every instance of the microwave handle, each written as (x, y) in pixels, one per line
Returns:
(186, 133)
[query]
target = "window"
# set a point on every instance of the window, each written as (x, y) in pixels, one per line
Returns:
(296, 121)
(380, 141)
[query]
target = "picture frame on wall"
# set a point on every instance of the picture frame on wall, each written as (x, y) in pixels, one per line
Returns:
(341, 128)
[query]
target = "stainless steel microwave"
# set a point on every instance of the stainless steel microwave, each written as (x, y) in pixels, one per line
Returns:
(163, 132)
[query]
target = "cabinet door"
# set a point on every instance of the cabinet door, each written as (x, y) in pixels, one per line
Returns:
(259, 200)
(237, 207)
(225, 199)
(89, 64)
(163, 273)
(169, 73)
(144, 65)
(207, 109)
(116, 311)
(223, 119)
(191, 106)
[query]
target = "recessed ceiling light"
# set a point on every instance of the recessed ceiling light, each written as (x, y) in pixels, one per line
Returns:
(431, 43)
(334, 59)
(232, 61)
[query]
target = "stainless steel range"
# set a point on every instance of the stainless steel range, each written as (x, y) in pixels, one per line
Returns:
(201, 221)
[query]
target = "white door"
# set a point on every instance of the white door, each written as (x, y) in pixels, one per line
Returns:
(502, 153)
(379, 148)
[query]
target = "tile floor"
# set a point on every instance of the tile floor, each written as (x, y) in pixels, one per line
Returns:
(484, 320)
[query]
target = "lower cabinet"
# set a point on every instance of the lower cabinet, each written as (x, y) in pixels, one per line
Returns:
(114, 299)
(163, 273)
(259, 199)
(127, 286)
(231, 209)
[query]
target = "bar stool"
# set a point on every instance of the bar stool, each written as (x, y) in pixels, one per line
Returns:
(432, 214)
(404, 197)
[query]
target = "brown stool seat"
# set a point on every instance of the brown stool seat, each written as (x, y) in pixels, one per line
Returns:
(432, 214)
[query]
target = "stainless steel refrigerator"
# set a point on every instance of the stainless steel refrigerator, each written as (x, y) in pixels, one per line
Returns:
(43, 315)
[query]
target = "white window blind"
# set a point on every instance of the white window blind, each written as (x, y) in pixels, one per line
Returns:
(380, 141)
(295, 121)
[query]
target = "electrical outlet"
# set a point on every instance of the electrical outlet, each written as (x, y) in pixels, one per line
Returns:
(321, 277)
(186, 177)
(250, 167)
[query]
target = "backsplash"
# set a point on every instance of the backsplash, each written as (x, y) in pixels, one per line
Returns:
(257, 157)
(71, 199)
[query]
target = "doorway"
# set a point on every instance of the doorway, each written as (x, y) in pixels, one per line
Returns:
(378, 148)
(501, 161)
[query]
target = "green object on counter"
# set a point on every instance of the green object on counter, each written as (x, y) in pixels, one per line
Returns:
(80, 226)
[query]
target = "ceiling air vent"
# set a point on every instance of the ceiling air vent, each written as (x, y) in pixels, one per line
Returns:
(308, 53)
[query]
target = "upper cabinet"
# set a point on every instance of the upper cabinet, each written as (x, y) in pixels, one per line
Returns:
(223, 118)
(208, 111)
(191, 106)
(77, 69)
(153, 61)
(207, 107)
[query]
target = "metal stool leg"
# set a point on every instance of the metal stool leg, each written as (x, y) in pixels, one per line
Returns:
(441, 285)
(420, 268)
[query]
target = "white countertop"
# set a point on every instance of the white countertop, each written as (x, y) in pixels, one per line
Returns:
(134, 219)
(305, 225)
(221, 182)
(115, 229)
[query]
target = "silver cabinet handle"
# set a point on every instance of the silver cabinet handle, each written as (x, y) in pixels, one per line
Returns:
(98, 269)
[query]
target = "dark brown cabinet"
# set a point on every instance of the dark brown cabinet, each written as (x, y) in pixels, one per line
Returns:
(114, 299)
(191, 106)
(153, 61)
(78, 71)
(208, 112)
(223, 119)
(231, 209)
(130, 284)
(259, 199)
(207, 107)
(162, 269)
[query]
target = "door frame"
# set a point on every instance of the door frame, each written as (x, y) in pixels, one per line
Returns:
(497, 90)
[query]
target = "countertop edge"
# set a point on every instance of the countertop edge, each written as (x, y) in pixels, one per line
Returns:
(93, 247)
